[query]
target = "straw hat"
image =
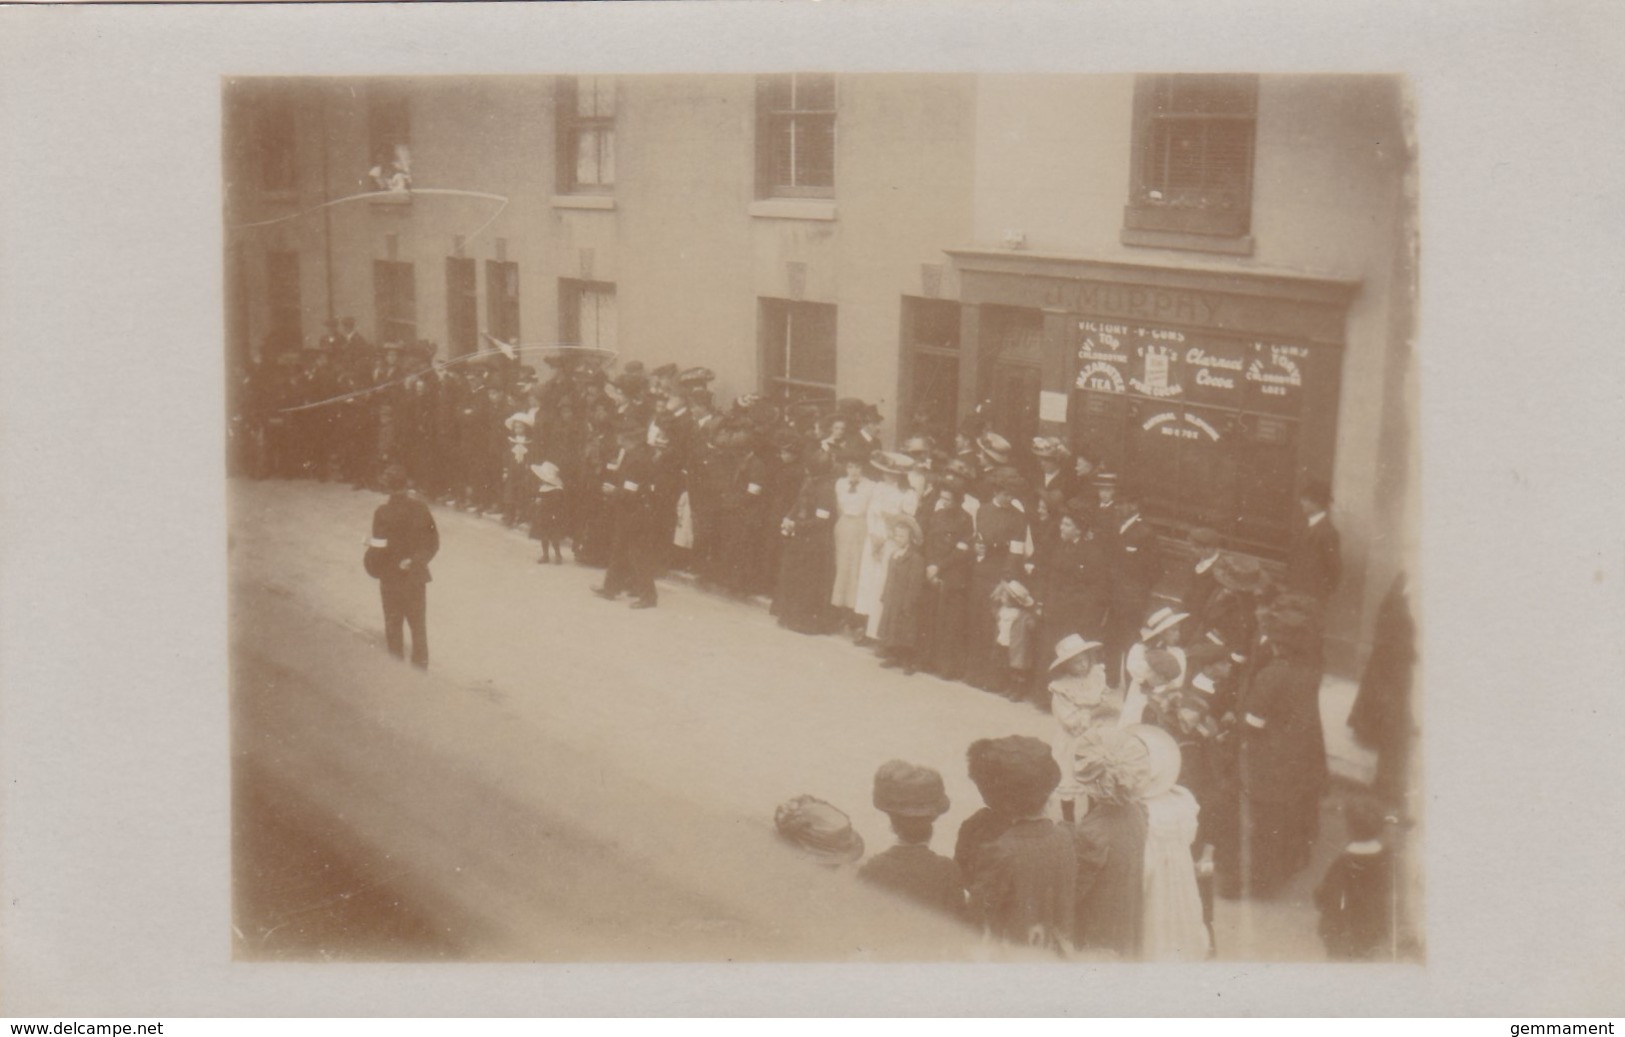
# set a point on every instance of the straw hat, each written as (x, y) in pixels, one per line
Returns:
(1070, 647)
(1161, 621)
(819, 830)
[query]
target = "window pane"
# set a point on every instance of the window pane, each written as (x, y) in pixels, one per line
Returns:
(780, 150)
(815, 92)
(587, 319)
(1229, 150)
(812, 344)
(815, 151)
(587, 156)
(936, 395)
(608, 337)
(606, 156)
(774, 320)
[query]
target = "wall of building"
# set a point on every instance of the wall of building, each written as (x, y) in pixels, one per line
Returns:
(1053, 163)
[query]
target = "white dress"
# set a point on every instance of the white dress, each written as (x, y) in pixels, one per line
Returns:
(851, 536)
(1172, 929)
(886, 502)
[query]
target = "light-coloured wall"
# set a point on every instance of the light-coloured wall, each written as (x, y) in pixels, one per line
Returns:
(1053, 162)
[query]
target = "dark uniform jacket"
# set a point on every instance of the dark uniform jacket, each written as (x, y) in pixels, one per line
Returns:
(1134, 569)
(406, 526)
(1285, 757)
(1315, 562)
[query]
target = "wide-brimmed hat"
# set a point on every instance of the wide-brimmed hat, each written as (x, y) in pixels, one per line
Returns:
(891, 462)
(961, 468)
(1110, 765)
(1164, 759)
(910, 790)
(1070, 647)
(915, 535)
(819, 830)
(697, 376)
(994, 447)
(1161, 621)
(548, 473)
(1240, 573)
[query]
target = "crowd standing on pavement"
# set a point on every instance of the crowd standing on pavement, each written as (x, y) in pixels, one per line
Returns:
(1188, 756)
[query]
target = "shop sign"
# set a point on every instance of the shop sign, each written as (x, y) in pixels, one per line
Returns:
(1180, 425)
(1167, 363)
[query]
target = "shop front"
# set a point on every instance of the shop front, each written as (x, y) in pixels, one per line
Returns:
(1213, 394)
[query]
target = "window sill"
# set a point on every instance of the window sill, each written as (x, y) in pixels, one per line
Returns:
(602, 202)
(1238, 246)
(793, 209)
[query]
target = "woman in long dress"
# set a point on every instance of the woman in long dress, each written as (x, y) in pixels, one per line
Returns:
(852, 492)
(1172, 927)
(891, 497)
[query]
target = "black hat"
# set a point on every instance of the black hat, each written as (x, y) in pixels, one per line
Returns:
(1014, 774)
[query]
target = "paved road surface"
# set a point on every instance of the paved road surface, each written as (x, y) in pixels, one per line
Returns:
(572, 780)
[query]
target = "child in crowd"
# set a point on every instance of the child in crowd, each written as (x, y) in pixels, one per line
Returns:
(913, 797)
(901, 597)
(1356, 897)
(547, 524)
(1076, 696)
(1017, 615)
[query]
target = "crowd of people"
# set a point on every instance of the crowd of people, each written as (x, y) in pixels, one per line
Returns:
(1022, 569)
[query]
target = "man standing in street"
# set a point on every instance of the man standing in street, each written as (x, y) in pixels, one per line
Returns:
(404, 539)
(1315, 562)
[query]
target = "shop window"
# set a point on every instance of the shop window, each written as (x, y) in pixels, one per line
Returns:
(795, 136)
(287, 313)
(502, 300)
(585, 122)
(797, 350)
(462, 307)
(275, 139)
(395, 299)
(931, 343)
(1011, 368)
(1191, 181)
(587, 314)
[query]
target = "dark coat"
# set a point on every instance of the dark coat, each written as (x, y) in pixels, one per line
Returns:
(1315, 562)
(1133, 555)
(900, 600)
(1111, 878)
(1355, 900)
(1073, 583)
(915, 872)
(1286, 758)
(807, 558)
(1026, 885)
(1194, 597)
(409, 532)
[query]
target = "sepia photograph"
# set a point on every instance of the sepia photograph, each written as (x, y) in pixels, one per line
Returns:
(1066, 508)
(860, 516)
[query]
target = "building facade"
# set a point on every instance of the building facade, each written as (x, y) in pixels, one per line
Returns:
(1209, 280)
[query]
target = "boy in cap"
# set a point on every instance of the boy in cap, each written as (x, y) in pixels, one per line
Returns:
(913, 797)
(1356, 896)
